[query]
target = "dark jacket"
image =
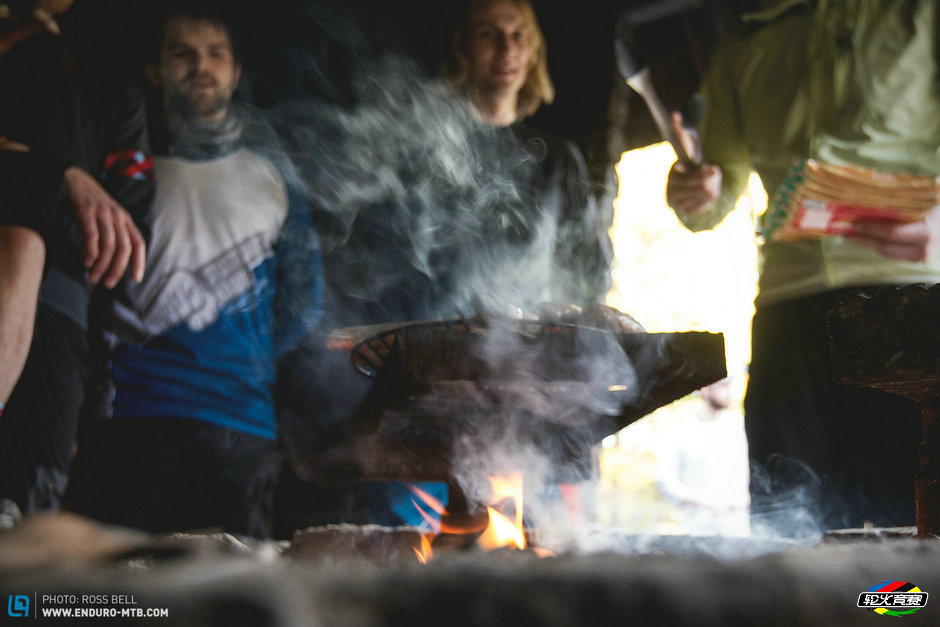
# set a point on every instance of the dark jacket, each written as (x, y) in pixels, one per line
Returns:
(67, 117)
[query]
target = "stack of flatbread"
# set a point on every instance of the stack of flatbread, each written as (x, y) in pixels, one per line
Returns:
(820, 199)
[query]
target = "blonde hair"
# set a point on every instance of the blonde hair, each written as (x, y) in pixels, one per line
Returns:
(538, 88)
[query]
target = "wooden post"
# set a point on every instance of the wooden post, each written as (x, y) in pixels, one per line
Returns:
(889, 340)
(927, 475)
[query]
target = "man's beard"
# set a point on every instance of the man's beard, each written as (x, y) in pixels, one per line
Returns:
(178, 105)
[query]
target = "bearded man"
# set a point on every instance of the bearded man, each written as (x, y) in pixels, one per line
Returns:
(185, 435)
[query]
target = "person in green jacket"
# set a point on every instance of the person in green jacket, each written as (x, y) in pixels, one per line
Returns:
(850, 83)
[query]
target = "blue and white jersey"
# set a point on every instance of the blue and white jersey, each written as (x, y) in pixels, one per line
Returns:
(233, 279)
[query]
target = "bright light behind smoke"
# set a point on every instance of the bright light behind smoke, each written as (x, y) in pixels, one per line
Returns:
(671, 279)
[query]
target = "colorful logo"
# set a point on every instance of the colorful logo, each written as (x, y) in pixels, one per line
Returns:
(893, 598)
(18, 606)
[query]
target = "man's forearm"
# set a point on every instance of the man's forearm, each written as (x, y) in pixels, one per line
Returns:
(22, 255)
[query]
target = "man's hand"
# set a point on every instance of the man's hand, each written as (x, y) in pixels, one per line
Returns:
(111, 238)
(691, 191)
(907, 241)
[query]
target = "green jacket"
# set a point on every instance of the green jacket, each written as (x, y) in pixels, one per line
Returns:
(847, 81)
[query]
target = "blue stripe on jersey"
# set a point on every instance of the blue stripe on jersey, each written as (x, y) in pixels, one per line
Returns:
(222, 374)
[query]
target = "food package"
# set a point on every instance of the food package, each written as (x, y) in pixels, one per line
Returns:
(821, 199)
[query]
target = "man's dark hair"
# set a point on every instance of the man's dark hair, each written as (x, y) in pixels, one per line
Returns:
(211, 11)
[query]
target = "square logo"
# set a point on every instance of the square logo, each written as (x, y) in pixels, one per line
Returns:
(18, 606)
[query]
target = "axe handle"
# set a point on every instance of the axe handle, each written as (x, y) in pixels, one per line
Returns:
(643, 85)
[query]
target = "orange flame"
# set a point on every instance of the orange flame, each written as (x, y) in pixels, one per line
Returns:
(424, 553)
(503, 530)
(428, 502)
(422, 503)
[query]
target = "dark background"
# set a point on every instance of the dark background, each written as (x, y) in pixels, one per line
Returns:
(295, 48)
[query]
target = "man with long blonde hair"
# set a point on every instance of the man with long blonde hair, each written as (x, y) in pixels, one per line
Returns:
(499, 56)
(499, 60)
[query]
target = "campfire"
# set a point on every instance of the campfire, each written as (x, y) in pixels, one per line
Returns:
(486, 405)
(503, 527)
(474, 550)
